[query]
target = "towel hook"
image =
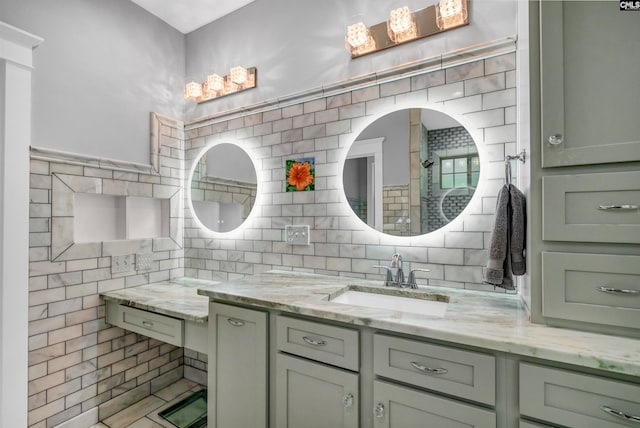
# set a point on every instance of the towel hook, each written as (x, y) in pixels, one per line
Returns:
(507, 164)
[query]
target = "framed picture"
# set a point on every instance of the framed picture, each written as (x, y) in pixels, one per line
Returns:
(300, 174)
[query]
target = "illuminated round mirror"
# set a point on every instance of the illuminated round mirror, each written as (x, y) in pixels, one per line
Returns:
(223, 187)
(411, 172)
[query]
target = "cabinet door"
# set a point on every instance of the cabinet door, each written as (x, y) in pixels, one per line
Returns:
(312, 395)
(590, 57)
(237, 391)
(400, 407)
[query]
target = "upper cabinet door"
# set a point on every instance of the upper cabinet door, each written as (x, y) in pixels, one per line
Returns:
(590, 63)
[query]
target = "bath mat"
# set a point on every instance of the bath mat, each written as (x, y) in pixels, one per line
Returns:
(188, 413)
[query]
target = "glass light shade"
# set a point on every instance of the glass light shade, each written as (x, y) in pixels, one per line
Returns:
(451, 13)
(401, 25)
(193, 90)
(215, 82)
(357, 34)
(238, 75)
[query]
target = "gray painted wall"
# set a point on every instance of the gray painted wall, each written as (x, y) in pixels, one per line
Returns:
(298, 45)
(103, 67)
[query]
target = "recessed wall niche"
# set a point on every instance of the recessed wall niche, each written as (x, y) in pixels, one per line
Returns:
(109, 218)
(92, 216)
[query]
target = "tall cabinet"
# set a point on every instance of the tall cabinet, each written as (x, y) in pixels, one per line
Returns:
(238, 359)
(588, 266)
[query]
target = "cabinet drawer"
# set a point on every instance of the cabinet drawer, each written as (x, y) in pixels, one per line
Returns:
(326, 343)
(571, 288)
(576, 399)
(161, 327)
(465, 374)
(592, 207)
(398, 406)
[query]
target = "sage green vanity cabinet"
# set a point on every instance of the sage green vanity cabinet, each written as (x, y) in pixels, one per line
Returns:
(238, 355)
(599, 207)
(576, 399)
(317, 380)
(461, 373)
(315, 395)
(582, 287)
(401, 407)
(442, 369)
(280, 370)
(589, 62)
(590, 150)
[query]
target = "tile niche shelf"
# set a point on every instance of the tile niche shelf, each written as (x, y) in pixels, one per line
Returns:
(110, 218)
(95, 217)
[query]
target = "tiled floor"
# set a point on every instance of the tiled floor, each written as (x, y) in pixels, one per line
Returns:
(144, 413)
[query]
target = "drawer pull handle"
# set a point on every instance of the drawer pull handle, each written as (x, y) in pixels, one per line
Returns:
(616, 290)
(426, 369)
(313, 341)
(379, 411)
(625, 207)
(619, 414)
(347, 400)
(234, 322)
(147, 324)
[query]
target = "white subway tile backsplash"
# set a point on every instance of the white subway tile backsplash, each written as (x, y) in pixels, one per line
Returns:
(446, 92)
(449, 256)
(500, 63)
(500, 134)
(464, 240)
(504, 98)
(489, 83)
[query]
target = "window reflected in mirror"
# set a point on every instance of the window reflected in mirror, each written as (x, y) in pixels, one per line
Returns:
(411, 172)
(223, 187)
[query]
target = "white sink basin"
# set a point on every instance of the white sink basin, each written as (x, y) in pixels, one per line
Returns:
(402, 303)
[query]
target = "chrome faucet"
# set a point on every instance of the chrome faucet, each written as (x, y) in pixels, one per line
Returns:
(395, 273)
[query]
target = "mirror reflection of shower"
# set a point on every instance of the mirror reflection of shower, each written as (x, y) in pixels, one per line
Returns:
(223, 187)
(411, 172)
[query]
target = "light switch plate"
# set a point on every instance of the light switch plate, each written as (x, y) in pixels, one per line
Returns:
(143, 261)
(296, 235)
(121, 264)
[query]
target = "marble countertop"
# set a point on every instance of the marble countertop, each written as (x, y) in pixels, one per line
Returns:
(178, 298)
(483, 319)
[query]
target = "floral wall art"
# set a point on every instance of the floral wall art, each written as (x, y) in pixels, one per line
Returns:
(300, 174)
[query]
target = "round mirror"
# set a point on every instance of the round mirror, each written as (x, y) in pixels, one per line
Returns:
(411, 172)
(223, 187)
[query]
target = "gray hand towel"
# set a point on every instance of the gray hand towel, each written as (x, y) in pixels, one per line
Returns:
(518, 230)
(497, 264)
(506, 251)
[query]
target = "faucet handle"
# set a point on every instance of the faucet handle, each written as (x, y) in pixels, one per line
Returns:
(396, 261)
(389, 278)
(412, 277)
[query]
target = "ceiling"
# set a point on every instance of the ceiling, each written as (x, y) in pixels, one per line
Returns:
(188, 15)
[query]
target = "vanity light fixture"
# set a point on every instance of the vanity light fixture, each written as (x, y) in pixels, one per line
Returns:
(238, 79)
(192, 90)
(359, 40)
(401, 26)
(404, 26)
(451, 14)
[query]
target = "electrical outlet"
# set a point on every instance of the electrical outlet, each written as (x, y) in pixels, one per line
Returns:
(143, 261)
(121, 264)
(296, 235)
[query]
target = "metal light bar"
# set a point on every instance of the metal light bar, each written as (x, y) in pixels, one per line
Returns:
(238, 79)
(441, 17)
